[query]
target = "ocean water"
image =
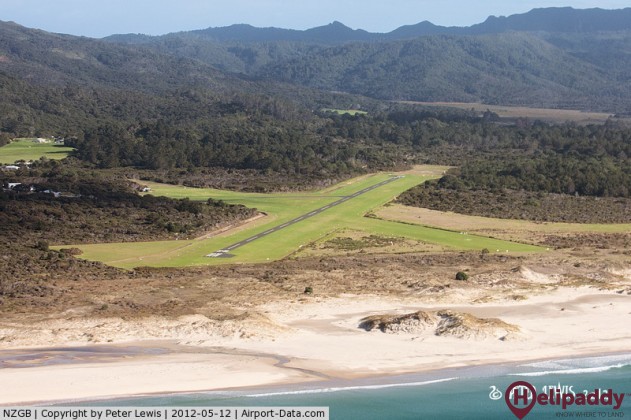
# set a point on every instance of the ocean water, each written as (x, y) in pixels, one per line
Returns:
(463, 393)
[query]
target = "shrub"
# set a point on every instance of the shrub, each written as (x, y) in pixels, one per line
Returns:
(308, 290)
(461, 275)
(42, 245)
(71, 251)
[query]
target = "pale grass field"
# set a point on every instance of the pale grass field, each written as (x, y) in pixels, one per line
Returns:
(507, 229)
(542, 114)
(26, 149)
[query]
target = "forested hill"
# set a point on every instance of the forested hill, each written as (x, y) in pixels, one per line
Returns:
(136, 106)
(575, 71)
(557, 58)
(49, 59)
(515, 68)
(554, 57)
(53, 84)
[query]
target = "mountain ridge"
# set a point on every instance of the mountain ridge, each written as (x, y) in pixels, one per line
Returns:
(573, 59)
(550, 19)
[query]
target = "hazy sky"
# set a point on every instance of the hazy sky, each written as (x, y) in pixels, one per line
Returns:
(98, 18)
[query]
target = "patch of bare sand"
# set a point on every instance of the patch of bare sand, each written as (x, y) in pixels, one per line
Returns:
(441, 323)
(563, 321)
(619, 271)
(170, 373)
(537, 277)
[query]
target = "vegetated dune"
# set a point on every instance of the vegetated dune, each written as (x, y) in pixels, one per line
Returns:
(537, 277)
(188, 329)
(467, 326)
(625, 273)
(442, 323)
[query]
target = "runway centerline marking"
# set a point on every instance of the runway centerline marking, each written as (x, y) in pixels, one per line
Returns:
(222, 253)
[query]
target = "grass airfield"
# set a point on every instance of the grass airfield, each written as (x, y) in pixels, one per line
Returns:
(27, 150)
(283, 207)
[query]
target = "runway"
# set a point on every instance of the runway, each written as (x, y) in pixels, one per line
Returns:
(225, 252)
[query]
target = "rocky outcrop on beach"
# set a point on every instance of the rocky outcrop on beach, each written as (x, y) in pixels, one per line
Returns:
(466, 326)
(441, 323)
(393, 324)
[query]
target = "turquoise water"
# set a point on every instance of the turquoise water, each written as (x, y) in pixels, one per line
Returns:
(450, 394)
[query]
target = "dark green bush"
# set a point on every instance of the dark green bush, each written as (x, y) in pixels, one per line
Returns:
(462, 276)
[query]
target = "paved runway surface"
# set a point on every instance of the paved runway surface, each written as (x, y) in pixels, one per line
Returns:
(225, 252)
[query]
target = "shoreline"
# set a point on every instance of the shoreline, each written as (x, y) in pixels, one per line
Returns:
(290, 384)
(515, 368)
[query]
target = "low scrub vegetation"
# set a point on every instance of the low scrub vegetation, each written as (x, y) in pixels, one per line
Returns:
(511, 204)
(92, 208)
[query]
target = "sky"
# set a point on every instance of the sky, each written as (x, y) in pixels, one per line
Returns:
(99, 18)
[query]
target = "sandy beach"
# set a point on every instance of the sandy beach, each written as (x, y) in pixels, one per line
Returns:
(308, 340)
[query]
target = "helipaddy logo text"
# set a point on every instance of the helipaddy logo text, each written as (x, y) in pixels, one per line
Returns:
(521, 397)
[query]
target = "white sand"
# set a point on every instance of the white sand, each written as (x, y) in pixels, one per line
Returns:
(320, 335)
(157, 374)
(326, 334)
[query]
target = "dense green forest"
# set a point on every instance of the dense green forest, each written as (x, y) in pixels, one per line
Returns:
(542, 172)
(546, 58)
(519, 204)
(54, 84)
(318, 146)
(564, 159)
(494, 69)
